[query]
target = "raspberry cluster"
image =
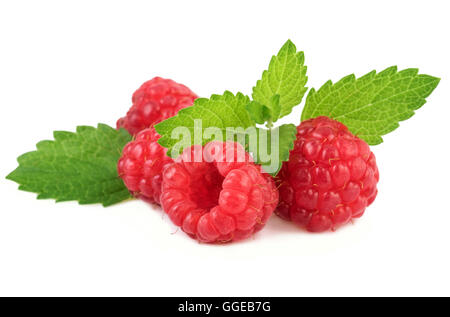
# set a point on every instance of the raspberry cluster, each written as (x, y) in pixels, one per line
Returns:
(330, 178)
(217, 194)
(156, 100)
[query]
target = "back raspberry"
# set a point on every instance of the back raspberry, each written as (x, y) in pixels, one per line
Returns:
(217, 194)
(156, 100)
(141, 165)
(330, 178)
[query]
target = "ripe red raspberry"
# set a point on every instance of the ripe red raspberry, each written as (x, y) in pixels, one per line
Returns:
(217, 194)
(156, 100)
(330, 178)
(141, 165)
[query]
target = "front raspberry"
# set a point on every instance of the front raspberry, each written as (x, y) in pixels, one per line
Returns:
(156, 100)
(141, 165)
(330, 178)
(217, 194)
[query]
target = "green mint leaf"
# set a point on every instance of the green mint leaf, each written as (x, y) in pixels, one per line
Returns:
(78, 166)
(261, 113)
(204, 118)
(273, 154)
(286, 77)
(275, 107)
(372, 105)
(258, 112)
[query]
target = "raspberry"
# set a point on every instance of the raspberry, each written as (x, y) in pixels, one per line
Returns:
(330, 178)
(141, 165)
(155, 101)
(216, 193)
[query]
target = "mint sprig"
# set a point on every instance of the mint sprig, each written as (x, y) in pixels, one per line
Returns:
(281, 88)
(78, 166)
(372, 105)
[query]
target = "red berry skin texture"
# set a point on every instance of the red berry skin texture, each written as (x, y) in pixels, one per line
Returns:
(216, 194)
(330, 178)
(156, 100)
(141, 165)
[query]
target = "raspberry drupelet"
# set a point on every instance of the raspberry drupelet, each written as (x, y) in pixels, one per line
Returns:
(330, 178)
(156, 100)
(141, 165)
(217, 194)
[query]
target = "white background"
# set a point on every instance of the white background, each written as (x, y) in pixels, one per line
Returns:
(64, 64)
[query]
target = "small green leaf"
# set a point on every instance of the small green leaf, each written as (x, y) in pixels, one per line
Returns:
(273, 147)
(258, 112)
(261, 113)
(286, 77)
(275, 107)
(78, 166)
(372, 105)
(218, 113)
